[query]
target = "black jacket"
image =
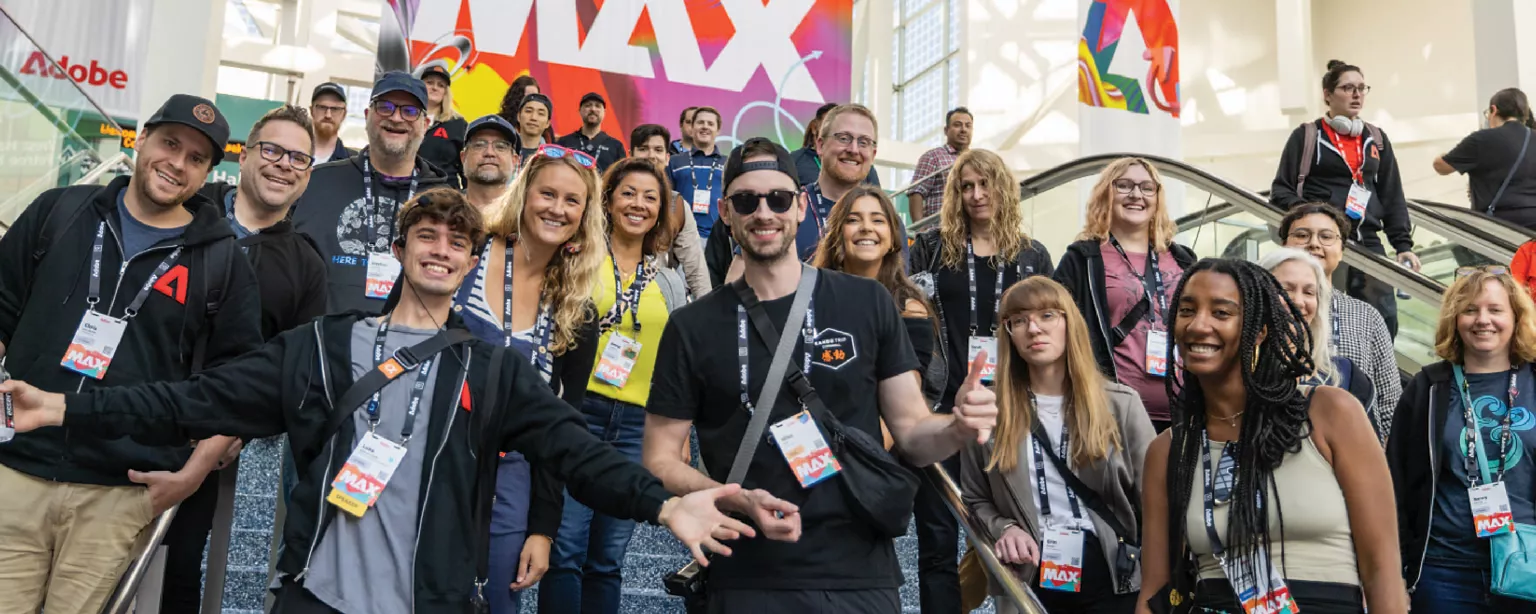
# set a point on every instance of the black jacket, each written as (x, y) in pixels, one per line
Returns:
(289, 270)
(1081, 271)
(340, 152)
(291, 385)
(442, 145)
(1414, 457)
(331, 212)
(42, 301)
(1329, 180)
(604, 148)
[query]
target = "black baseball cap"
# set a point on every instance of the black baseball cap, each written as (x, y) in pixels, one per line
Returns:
(400, 81)
(433, 68)
(332, 88)
(593, 96)
(539, 98)
(736, 165)
(198, 113)
(492, 122)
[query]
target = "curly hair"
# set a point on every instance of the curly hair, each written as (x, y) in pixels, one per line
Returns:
(1101, 205)
(441, 205)
(1007, 220)
(1461, 295)
(572, 272)
(659, 238)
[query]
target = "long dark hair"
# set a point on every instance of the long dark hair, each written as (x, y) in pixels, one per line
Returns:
(659, 238)
(512, 101)
(1511, 103)
(1275, 349)
(830, 253)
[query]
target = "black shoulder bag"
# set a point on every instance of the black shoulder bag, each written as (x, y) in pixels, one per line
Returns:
(1129, 553)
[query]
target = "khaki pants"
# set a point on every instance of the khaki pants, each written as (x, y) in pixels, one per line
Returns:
(65, 545)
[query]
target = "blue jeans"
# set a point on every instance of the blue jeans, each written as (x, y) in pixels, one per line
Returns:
(585, 567)
(1448, 590)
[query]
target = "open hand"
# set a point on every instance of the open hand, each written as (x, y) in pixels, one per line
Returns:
(32, 408)
(533, 562)
(1017, 547)
(167, 489)
(975, 405)
(698, 522)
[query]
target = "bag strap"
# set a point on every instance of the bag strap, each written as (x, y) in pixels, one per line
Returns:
(1129, 322)
(1518, 159)
(1088, 496)
(221, 260)
(1308, 151)
(65, 210)
(405, 359)
(799, 384)
(485, 473)
(781, 362)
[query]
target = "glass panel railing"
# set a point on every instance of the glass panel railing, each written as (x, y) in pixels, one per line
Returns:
(1475, 232)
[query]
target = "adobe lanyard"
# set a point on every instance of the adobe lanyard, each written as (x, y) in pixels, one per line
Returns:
(1338, 325)
(1040, 485)
(807, 333)
(543, 332)
(1210, 494)
(997, 295)
(372, 206)
(1357, 172)
(1472, 435)
(693, 171)
(1151, 282)
(417, 390)
(95, 288)
(629, 300)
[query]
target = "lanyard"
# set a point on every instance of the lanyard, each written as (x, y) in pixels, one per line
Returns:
(1338, 326)
(629, 300)
(693, 171)
(95, 288)
(807, 334)
(1151, 282)
(823, 206)
(542, 330)
(1355, 170)
(997, 295)
(1473, 430)
(1210, 494)
(416, 391)
(372, 206)
(1040, 484)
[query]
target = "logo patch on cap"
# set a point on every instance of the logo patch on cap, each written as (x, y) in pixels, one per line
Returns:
(203, 113)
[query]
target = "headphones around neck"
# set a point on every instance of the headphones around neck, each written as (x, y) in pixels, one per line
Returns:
(1352, 126)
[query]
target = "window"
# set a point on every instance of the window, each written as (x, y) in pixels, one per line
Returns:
(925, 67)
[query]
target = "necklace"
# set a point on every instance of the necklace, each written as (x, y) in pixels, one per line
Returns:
(1230, 420)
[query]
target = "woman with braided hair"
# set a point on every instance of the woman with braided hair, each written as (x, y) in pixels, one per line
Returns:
(1261, 484)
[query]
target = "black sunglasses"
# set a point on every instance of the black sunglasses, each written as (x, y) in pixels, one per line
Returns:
(746, 203)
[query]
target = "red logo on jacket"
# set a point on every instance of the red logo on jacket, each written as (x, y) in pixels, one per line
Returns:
(174, 283)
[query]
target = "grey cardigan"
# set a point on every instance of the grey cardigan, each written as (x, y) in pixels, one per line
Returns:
(998, 499)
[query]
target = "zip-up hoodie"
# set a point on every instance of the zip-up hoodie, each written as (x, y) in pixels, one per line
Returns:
(1329, 180)
(288, 267)
(1414, 457)
(42, 302)
(332, 213)
(291, 385)
(1081, 271)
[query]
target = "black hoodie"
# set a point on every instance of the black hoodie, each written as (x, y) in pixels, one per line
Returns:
(1081, 272)
(1329, 180)
(332, 212)
(288, 267)
(42, 301)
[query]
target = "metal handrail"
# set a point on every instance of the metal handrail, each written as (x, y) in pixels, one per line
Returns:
(981, 542)
(105, 167)
(122, 600)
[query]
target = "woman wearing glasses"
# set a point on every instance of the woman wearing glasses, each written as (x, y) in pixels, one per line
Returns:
(1307, 285)
(1355, 330)
(1056, 411)
(1121, 272)
(445, 136)
(636, 295)
(1262, 485)
(1486, 339)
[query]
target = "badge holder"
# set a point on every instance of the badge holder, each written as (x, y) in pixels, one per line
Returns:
(1061, 560)
(95, 343)
(1359, 198)
(1270, 596)
(1157, 352)
(383, 270)
(809, 456)
(618, 360)
(367, 471)
(701, 201)
(977, 344)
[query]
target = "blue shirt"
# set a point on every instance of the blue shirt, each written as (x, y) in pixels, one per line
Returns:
(702, 171)
(138, 236)
(241, 232)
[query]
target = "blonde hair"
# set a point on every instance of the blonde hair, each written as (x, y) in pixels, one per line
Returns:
(572, 273)
(1101, 202)
(445, 112)
(1007, 220)
(1086, 413)
(824, 130)
(1322, 317)
(1461, 295)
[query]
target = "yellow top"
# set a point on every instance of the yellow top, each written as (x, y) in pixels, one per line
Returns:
(653, 318)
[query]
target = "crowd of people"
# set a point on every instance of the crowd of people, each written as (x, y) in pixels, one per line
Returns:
(539, 342)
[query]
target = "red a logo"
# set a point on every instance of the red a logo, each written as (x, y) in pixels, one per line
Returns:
(441, 133)
(174, 284)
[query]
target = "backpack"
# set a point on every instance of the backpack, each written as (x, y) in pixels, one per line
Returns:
(1309, 151)
(74, 200)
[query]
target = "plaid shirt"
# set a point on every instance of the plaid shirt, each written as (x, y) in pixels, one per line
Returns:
(1360, 335)
(932, 188)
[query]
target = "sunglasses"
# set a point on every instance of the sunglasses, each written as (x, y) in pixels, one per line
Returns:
(746, 203)
(1495, 270)
(409, 112)
(556, 151)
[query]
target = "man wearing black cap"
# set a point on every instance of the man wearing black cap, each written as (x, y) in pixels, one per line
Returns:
(138, 281)
(328, 105)
(591, 137)
(818, 552)
(349, 208)
(490, 162)
(533, 123)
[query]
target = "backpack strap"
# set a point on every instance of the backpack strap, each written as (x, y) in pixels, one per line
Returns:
(1308, 151)
(219, 262)
(66, 209)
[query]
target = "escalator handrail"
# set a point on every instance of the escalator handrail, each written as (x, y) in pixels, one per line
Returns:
(981, 540)
(1510, 236)
(919, 181)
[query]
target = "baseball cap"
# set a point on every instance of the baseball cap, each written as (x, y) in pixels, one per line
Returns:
(736, 165)
(539, 98)
(400, 81)
(198, 113)
(329, 87)
(590, 96)
(492, 122)
(433, 68)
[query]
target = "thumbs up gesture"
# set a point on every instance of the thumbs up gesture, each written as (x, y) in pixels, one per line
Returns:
(975, 404)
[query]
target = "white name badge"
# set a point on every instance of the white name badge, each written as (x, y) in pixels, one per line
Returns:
(701, 201)
(618, 360)
(383, 270)
(1061, 560)
(1267, 596)
(1359, 197)
(95, 342)
(1491, 514)
(368, 470)
(805, 449)
(990, 345)
(1157, 352)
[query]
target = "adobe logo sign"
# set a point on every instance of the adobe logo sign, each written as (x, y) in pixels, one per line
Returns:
(93, 74)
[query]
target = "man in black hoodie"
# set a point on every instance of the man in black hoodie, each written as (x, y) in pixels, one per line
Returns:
(350, 206)
(100, 287)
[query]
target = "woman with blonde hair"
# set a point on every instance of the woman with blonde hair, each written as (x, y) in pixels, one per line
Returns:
(1121, 272)
(445, 137)
(979, 249)
(1486, 340)
(1303, 279)
(1064, 466)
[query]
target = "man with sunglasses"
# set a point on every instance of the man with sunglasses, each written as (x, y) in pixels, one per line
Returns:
(816, 554)
(328, 105)
(349, 208)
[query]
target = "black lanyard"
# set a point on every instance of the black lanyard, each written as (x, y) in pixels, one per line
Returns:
(1151, 281)
(417, 390)
(1210, 492)
(693, 171)
(1472, 433)
(543, 332)
(807, 334)
(997, 294)
(1040, 483)
(629, 300)
(372, 206)
(94, 296)
(1338, 325)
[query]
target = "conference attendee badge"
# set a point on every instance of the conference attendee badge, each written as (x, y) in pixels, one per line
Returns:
(383, 270)
(1359, 197)
(990, 345)
(95, 342)
(1157, 352)
(368, 470)
(1490, 510)
(1269, 596)
(701, 202)
(1061, 560)
(805, 449)
(618, 360)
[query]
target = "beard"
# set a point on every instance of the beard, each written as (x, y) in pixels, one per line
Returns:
(742, 233)
(326, 130)
(846, 174)
(490, 176)
(392, 147)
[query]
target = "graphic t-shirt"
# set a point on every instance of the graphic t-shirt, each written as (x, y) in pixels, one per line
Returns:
(1122, 290)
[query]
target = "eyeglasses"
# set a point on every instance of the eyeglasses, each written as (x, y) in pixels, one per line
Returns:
(1042, 318)
(1226, 475)
(846, 140)
(328, 109)
(499, 145)
(386, 108)
(273, 152)
(746, 203)
(1124, 186)
(1352, 89)
(1495, 270)
(556, 151)
(1304, 236)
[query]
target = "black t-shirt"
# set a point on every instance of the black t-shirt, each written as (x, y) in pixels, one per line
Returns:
(1486, 157)
(954, 297)
(697, 378)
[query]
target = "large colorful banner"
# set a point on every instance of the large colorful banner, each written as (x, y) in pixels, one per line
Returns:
(766, 65)
(1128, 77)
